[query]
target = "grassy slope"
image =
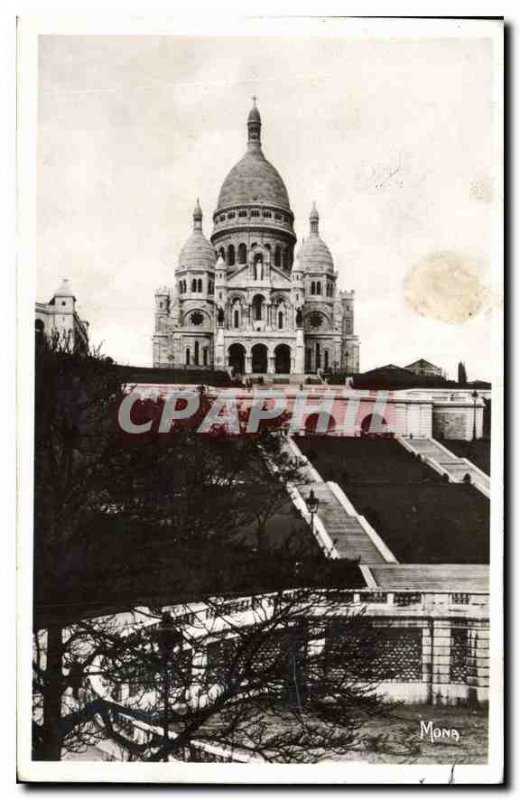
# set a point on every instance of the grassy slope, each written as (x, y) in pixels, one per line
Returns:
(421, 518)
(479, 452)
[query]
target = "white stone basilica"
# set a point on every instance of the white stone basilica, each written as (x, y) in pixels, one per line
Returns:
(244, 301)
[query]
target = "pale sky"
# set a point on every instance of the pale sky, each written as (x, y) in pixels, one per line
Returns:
(391, 138)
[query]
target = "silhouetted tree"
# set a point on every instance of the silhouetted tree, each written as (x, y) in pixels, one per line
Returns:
(461, 373)
(289, 676)
(155, 519)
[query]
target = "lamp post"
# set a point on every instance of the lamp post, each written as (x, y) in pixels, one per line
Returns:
(475, 398)
(313, 505)
(167, 637)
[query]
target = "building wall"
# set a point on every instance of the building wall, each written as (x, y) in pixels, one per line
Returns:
(435, 644)
(60, 318)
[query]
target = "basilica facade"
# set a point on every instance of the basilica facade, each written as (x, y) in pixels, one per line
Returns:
(246, 299)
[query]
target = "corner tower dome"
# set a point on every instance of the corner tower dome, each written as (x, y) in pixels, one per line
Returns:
(253, 180)
(314, 255)
(197, 252)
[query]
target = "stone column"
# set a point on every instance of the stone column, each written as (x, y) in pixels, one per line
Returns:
(478, 663)
(299, 355)
(441, 647)
(220, 350)
(427, 641)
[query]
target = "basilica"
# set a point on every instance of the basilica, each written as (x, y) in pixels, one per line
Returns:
(247, 300)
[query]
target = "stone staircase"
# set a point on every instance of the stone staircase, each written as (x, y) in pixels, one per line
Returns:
(349, 537)
(338, 528)
(447, 463)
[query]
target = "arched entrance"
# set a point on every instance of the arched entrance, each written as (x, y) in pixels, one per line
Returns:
(259, 358)
(282, 359)
(374, 425)
(237, 358)
(325, 421)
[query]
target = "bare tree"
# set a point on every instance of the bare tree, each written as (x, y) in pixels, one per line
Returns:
(289, 676)
(154, 520)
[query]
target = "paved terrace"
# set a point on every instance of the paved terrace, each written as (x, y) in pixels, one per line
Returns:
(453, 578)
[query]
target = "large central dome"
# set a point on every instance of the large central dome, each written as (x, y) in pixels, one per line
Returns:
(253, 218)
(253, 180)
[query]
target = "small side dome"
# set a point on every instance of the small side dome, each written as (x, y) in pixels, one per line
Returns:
(197, 253)
(314, 255)
(297, 266)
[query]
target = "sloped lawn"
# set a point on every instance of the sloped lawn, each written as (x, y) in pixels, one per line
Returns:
(421, 518)
(479, 452)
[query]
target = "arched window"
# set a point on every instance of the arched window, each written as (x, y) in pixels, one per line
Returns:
(199, 285)
(194, 285)
(277, 256)
(205, 356)
(231, 255)
(286, 258)
(280, 320)
(236, 318)
(196, 356)
(258, 301)
(222, 252)
(187, 356)
(313, 288)
(318, 287)
(242, 253)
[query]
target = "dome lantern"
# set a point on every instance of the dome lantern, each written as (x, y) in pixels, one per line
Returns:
(254, 128)
(197, 216)
(314, 219)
